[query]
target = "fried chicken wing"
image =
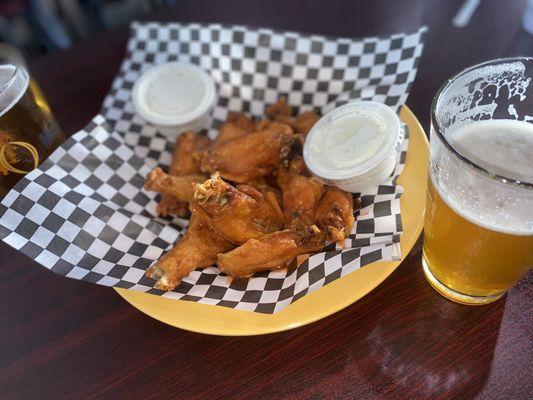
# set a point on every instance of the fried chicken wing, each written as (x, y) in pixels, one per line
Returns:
(250, 157)
(304, 122)
(264, 124)
(267, 185)
(237, 125)
(183, 163)
(179, 187)
(236, 213)
(198, 248)
(300, 193)
(270, 251)
(334, 214)
(279, 111)
(263, 160)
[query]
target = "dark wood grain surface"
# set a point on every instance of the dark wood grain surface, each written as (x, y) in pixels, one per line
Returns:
(61, 338)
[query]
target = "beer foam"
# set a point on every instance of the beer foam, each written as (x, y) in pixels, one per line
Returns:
(13, 84)
(503, 147)
(475, 94)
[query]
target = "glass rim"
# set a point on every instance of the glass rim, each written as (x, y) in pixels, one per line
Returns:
(9, 81)
(13, 88)
(437, 129)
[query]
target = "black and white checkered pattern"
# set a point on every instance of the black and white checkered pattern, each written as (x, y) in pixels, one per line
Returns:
(254, 67)
(83, 213)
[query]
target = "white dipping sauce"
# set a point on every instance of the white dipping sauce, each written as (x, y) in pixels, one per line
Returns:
(351, 140)
(354, 146)
(174, 92)
(174, 95)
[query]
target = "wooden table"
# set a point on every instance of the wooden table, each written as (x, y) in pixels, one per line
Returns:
(61, 338)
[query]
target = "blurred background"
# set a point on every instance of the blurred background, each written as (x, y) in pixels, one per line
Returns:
(38, 27)
(73, 48)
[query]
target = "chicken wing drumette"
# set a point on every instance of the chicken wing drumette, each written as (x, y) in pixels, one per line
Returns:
(198, 248)
(178, 187)
(334, 214)
(183, 163)
(300, 193)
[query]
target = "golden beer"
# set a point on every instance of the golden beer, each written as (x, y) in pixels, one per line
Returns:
(469, 258)
(478, 230)
(28, 131)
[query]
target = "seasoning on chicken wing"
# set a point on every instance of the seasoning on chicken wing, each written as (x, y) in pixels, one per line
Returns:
(183, 163)
(304, 122)
(250, 157)
(236, 213)
(300, 192)
(179, 187)
(270, 251)
(198, 248)
(334, 214)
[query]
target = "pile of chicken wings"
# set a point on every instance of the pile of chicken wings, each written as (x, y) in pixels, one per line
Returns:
(252, 203)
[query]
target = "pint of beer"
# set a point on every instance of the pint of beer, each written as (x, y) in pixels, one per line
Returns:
(478, 233)
(28, 131)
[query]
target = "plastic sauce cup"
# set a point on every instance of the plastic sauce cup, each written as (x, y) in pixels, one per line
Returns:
(355, 146)
(175, 97)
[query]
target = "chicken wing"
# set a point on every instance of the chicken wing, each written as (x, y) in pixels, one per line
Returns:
(198, 248)
(334, 214)
(183, 163)
(304, 122)
(279, 111)
(179, 187)
(236, 213)
(236, 126)
(270, 251)
(250, 157)
(300, 193)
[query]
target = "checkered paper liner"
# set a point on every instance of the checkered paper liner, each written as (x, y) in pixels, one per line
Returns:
(84, 214)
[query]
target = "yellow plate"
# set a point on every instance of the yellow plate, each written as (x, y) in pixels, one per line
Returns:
(335, 296)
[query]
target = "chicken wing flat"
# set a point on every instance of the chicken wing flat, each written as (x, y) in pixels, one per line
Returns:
(250, 157)
(334, 214)
(236, 126)
(236, 213)
(198, 248)
(270, 251)
(300, 193)
(304, 122)
(183, 163)
(179, 187)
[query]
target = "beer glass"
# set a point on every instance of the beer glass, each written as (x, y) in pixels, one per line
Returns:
(28, 131)
(478, 231)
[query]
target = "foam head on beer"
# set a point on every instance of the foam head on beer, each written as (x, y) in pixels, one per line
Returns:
(501, 148)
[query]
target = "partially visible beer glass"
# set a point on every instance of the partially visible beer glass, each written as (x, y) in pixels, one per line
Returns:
(28, 131)
(478, 232)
